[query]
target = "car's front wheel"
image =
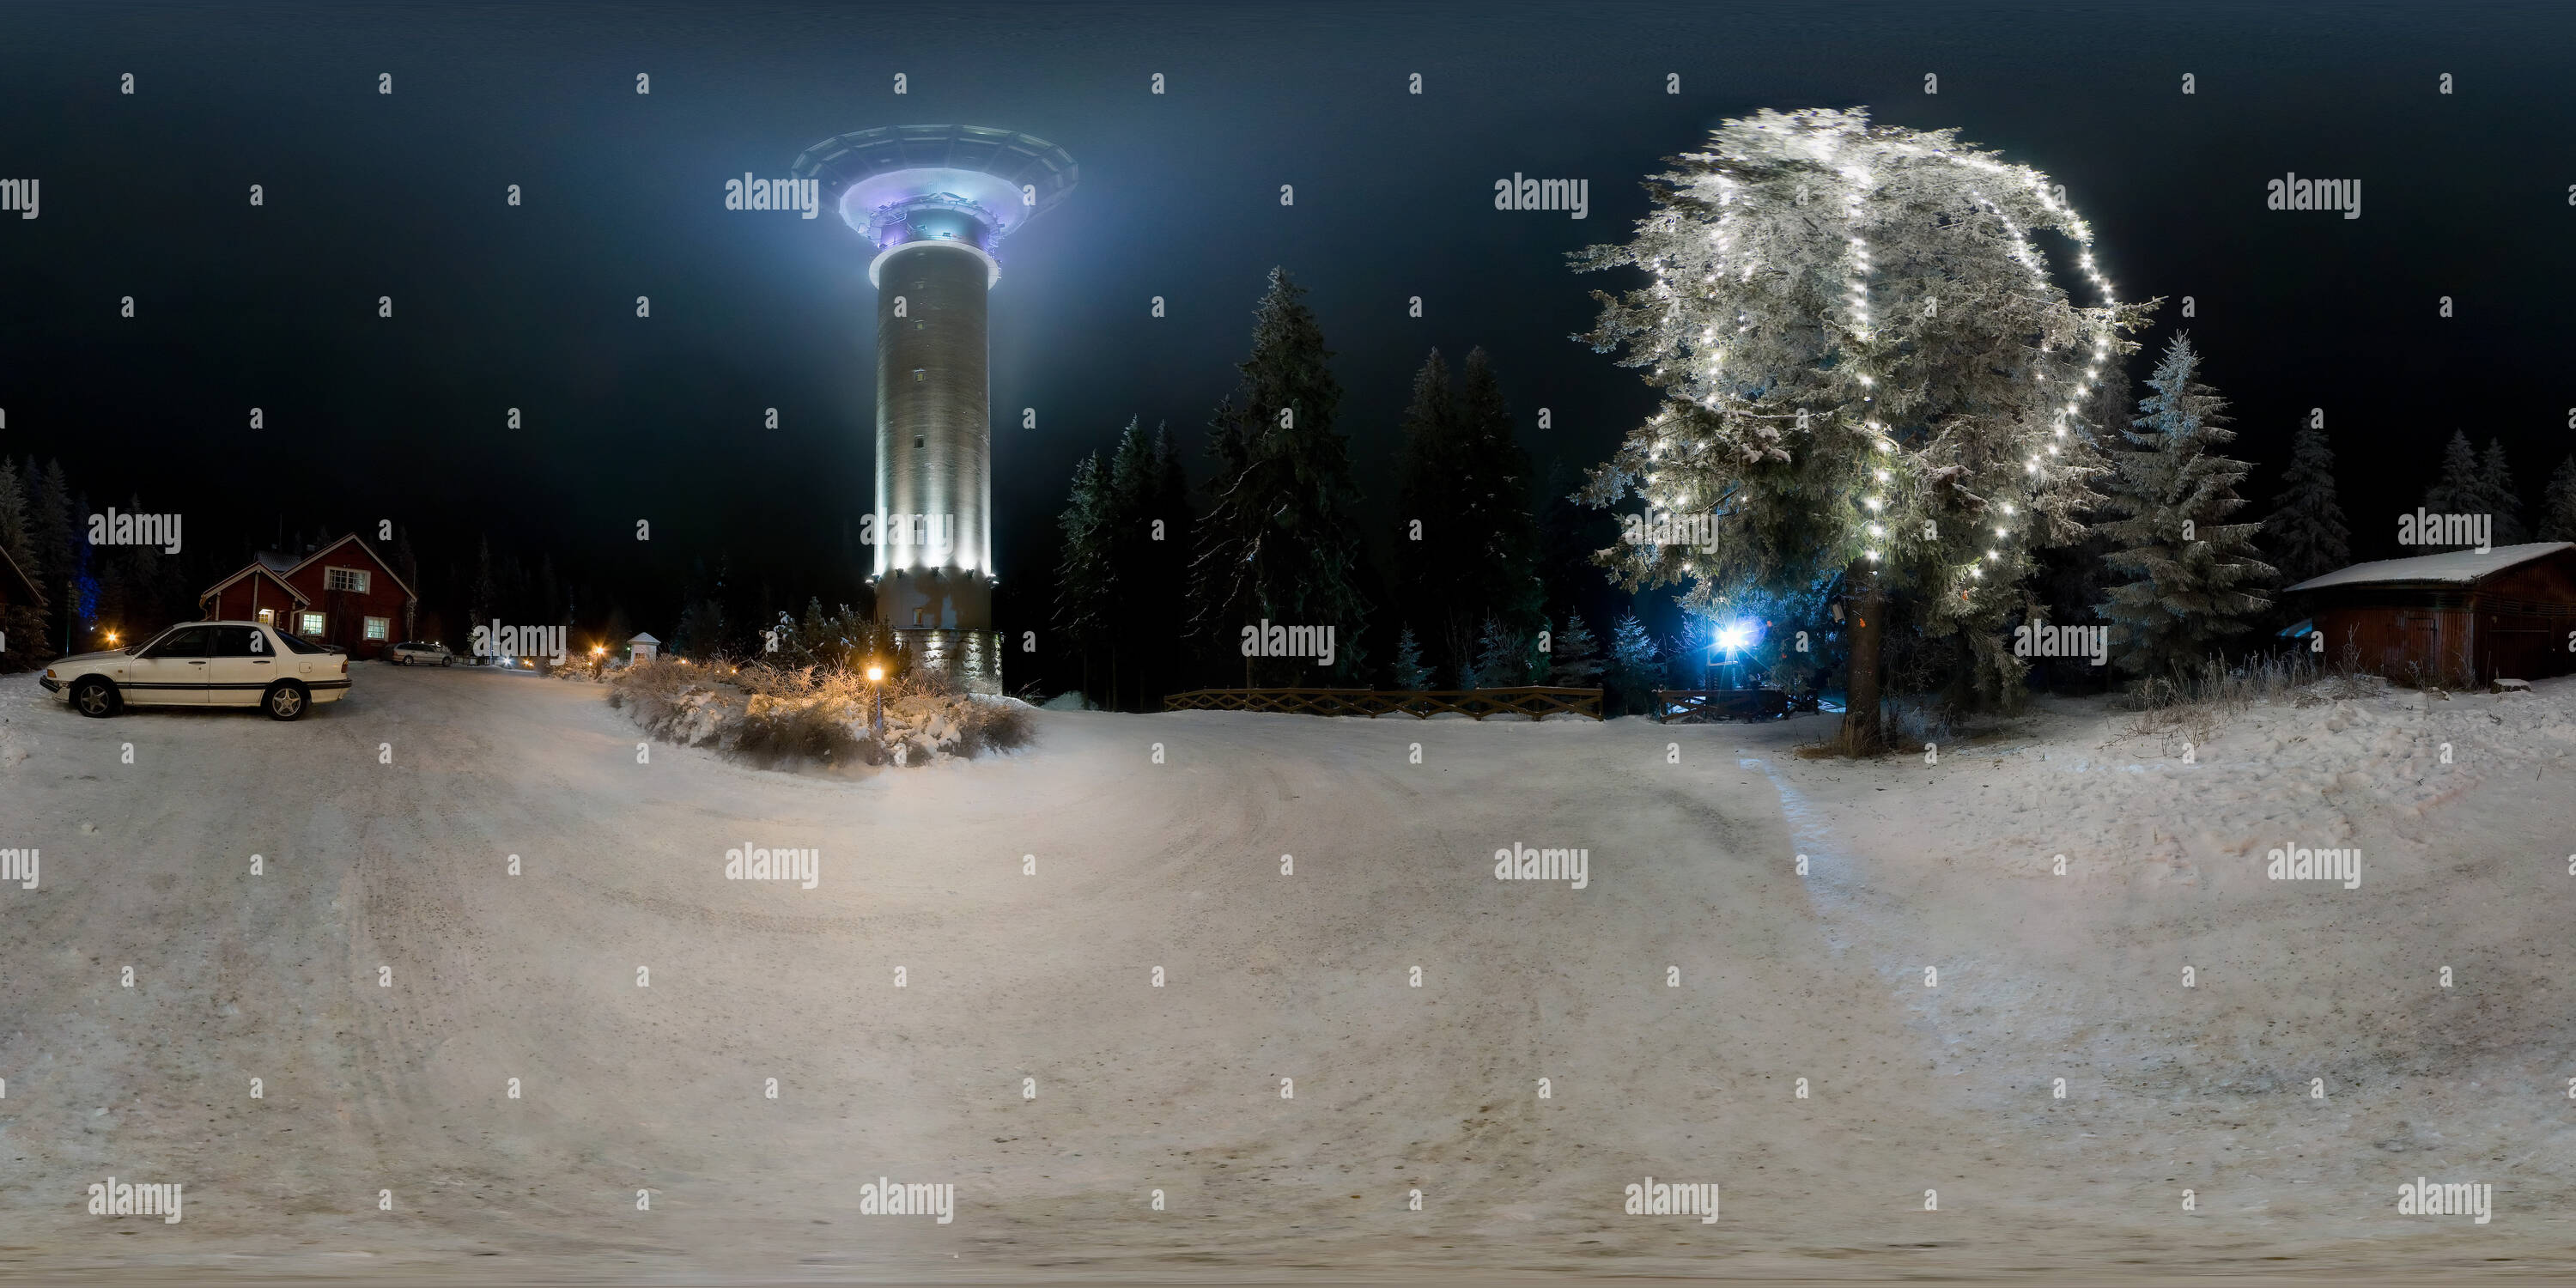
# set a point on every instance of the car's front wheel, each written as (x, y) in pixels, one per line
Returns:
(285, 702)
(94, 697)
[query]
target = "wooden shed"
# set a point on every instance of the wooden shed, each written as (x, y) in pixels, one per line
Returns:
(2458, 619)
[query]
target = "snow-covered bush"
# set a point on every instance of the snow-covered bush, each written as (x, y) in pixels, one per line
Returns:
(821, 715)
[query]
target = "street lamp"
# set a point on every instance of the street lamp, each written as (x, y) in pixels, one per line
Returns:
(876, 701)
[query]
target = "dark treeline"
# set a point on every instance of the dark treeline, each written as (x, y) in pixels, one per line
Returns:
(1490, 581)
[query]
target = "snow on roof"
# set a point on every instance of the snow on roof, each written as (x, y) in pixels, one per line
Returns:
(641, 638)
(2459, 566)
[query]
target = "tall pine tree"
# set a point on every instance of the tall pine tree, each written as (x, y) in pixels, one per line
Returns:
(1574, 657)
(2455, 489)
(1432, 537)
(1278, 542)
(2499, 497)
(2195, 577)
(1463, 483)
(1636, 665)
(1493, 482)
(2306, 532)
(2558, 505)
(1086, 580)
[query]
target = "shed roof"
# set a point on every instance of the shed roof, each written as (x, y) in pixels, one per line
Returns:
(2457, 568)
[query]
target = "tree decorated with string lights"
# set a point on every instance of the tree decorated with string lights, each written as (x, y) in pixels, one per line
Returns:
(1867, 373)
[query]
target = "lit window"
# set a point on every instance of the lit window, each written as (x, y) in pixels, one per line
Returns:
(268, 617)
(352, 579)
(379, 628)
(309, 624)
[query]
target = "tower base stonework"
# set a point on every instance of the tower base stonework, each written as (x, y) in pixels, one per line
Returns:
(971, 657)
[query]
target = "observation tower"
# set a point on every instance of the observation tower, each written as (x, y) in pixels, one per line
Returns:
(935, 201)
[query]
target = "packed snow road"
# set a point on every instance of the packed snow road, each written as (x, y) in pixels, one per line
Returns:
(1198, 994)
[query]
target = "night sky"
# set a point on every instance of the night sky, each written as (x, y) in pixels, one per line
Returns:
(367, 195)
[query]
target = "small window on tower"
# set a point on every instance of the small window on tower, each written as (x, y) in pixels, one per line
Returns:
(916, 374)
(916, 442)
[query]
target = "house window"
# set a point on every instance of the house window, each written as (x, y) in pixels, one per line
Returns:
(379, 628)
(309, 624)
(354, 579)
(268, 617)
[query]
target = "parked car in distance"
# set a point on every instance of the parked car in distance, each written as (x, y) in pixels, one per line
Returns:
(200, 664)
(420, 653)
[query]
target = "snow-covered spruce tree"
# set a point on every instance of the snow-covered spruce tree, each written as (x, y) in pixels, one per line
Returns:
(1086, 582)
(2194, 578)
(2498, 496)
(1493, 483)
(1636, 664)
(2455, 488)
(2558, 504)
(1463, 477)
(1574, 658)
(2306, 533)
(1408, 672)
(23, 624)
(1502, 655)
(1427, 557)
(1278, 542)
(1867, 372)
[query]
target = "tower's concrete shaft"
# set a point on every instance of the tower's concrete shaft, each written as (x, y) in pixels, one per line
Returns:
(934, 560)
(935, 200)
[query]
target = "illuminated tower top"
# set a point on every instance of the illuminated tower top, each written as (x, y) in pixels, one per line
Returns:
(969, 184)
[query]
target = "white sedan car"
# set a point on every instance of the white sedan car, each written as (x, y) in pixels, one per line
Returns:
(203, 664)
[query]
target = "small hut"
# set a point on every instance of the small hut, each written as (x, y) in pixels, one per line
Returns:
(2459, 619)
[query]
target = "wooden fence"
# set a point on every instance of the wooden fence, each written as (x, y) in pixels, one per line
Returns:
(1531, 701)
(1702, 706)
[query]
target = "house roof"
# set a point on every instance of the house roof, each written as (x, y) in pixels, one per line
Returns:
(2457, 568)
(643, 639)
(18, 577)
(408, 592)
(259, 567)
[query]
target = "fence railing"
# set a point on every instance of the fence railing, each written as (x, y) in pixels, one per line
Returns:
(1702, 706)
(1533, 701)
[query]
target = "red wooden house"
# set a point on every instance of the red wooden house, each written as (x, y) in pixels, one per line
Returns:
(343, 594)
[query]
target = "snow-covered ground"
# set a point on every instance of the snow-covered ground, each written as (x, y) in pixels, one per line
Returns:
(1672, 1003)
